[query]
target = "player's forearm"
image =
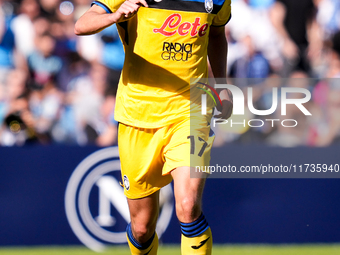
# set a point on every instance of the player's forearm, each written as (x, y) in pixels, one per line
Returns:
(92, 22)
(217, 52)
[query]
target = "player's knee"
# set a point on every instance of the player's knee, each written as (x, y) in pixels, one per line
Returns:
(142, 233)
(188, 209)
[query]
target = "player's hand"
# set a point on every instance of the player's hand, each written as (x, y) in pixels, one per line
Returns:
(128, 9)
(226, 108)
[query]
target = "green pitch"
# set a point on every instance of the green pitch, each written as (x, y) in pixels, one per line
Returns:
(173, 250)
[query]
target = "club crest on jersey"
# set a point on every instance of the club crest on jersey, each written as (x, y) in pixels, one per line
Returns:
(209, 5)
(126, 183)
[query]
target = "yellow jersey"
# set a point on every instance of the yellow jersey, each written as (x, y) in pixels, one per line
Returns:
(165, 45)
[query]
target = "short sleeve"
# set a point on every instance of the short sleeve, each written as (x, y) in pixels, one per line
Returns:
(224, 15)
(109, 6)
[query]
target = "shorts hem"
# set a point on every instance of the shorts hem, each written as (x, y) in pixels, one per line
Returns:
(169, 171)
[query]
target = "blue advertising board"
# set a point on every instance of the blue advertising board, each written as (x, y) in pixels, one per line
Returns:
(59, 195)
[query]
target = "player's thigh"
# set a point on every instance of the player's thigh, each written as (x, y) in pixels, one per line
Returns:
(186, 186)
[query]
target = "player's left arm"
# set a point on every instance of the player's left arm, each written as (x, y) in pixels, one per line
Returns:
(217, 53)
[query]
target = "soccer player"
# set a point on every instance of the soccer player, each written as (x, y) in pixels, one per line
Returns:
(166, 43)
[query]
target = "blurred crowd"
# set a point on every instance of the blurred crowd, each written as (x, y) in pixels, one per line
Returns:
(56, 87)
(285, 43)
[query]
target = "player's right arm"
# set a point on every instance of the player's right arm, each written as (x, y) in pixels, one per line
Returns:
(96, 18)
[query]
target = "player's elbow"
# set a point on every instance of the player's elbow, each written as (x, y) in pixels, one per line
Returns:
(82, 28)
(78, 29)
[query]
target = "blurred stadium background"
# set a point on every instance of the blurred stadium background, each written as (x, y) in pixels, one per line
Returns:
(57, 96)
